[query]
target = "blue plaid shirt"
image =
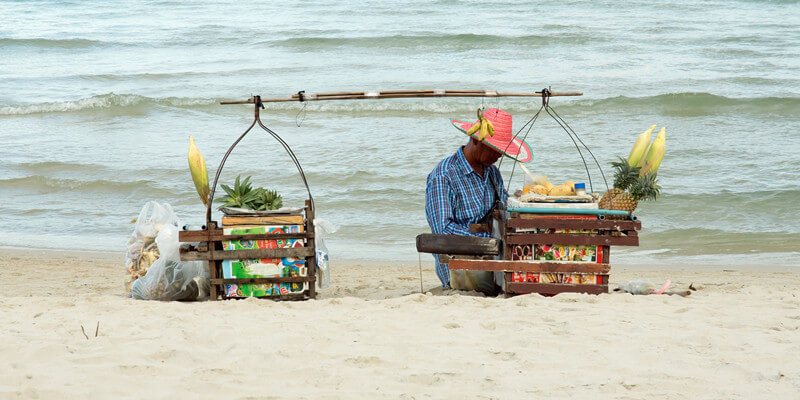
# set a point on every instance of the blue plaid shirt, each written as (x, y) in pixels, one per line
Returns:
(456, 196)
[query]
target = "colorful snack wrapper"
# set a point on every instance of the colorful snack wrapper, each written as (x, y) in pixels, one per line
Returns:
(262, 244)
(529, 277)
(264, 267)
(566, 253)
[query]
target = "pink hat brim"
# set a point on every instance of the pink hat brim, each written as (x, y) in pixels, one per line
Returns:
(517, 149)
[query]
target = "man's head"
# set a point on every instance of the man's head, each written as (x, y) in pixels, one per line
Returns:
(480, 153)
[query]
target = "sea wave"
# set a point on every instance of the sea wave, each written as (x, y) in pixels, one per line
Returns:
(752, 201)
(46, 167)
(696, 241)
(49, 184)
(111, 101)
(76, 43)
(439, 41)
(669, 104)
(694, 104)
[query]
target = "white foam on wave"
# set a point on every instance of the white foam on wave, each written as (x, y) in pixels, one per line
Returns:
(101, 102)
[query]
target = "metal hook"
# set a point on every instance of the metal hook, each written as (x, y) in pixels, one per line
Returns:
(546, 93)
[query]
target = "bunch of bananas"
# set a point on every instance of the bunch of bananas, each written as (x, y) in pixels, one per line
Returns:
(484, 126)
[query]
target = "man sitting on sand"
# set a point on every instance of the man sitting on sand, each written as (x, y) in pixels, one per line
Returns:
(463, 188)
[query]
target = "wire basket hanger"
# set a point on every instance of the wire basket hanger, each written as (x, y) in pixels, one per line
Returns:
(258, 104)
(546, 94)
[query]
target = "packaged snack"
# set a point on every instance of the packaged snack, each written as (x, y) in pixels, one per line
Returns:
(262, 244)
(566, 253)
(522, 252)
(550, 277)
(263, 267)
(528, 277)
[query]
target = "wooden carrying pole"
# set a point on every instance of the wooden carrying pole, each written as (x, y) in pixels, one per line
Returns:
(400, 94)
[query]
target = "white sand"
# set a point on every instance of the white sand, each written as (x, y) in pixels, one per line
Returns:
(370, 336)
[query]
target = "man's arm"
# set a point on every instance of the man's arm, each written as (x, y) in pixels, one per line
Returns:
(439, 200)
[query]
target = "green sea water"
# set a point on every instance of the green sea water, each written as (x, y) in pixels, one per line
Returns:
(97, 100)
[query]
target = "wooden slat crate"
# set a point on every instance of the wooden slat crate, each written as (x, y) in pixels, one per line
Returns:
(532, 230)
(209, 247)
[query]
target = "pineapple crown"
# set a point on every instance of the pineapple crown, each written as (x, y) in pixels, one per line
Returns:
(625, 175)
(646, 187)
(243, 195)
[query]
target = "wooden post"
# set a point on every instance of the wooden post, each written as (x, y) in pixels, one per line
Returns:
(311, 261)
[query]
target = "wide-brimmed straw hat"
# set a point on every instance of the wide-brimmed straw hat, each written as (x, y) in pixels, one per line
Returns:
(503, 139)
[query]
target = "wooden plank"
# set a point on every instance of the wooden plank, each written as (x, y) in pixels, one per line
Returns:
(553, 288)
(571, 239)
(283, 279)
(294, 252)
(213, 267)
(230, 221)
(457, 244)
(583, 223)
(195, 236)
(311, 260)
(445, 258)
(530, 266)
(206, 236)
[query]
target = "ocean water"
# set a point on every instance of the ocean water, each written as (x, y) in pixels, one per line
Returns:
(98, 99)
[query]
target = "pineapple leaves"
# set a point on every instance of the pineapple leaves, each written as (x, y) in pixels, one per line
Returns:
(243, 195)
(646, 187)
(624, 174)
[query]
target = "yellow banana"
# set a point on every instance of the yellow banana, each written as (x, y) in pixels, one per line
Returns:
(490, 127)
(474, 128)
(197, 166)
(484, 129)
(655, 154)
(639, 149)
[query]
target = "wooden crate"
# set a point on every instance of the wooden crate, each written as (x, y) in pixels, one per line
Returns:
(210, 249)
(535, 230)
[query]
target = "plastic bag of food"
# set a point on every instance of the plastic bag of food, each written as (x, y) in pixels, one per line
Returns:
(322, 228)
(638, 286)
(169, 278)
(142, 250)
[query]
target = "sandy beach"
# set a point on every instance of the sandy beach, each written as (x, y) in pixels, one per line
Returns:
(373, 335)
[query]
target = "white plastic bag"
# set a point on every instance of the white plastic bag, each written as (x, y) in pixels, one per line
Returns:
(638, 286)
(142, 250)
(169, 278)
(152, 218)
(322, 228)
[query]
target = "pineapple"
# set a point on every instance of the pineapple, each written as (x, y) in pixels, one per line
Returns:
(268, 200)
(242, 194)
(629, 188)
(624, 176)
